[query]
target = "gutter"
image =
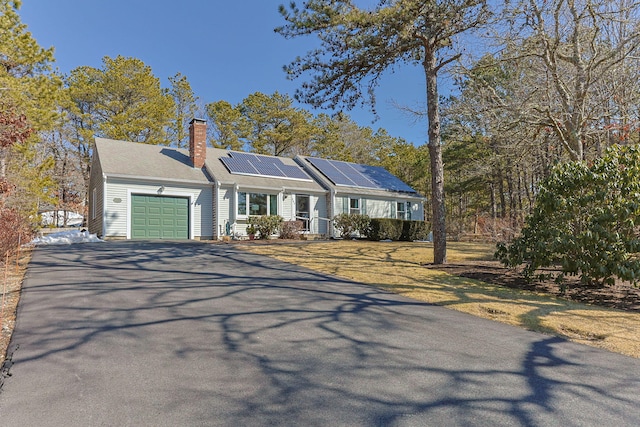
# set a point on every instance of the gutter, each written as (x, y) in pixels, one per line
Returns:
(158, 179)
(279, 189)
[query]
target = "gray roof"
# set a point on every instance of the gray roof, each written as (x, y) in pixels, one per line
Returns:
(132, 159)
(157, 162)
(220, 173)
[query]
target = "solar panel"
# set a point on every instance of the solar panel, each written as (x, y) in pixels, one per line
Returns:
(329, 170)
(354, 175)
(385, 180)
(248, 157)
(357, 175)
(238, 166)
(270, 169)
(256, 164)
(294, 172)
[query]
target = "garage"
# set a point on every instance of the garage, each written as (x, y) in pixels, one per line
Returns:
(159, 217)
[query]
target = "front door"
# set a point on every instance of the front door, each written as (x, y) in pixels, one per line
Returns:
(303, 210)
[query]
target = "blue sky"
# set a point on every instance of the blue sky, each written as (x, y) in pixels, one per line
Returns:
(227, 49)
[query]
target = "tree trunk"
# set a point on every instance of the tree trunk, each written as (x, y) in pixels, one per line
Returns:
(494, 206)
(437, 165)
(503, 200)
(528, 186)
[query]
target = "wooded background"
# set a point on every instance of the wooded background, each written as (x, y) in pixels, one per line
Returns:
(558, 82)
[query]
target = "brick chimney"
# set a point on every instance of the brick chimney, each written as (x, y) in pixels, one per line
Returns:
(197, 142)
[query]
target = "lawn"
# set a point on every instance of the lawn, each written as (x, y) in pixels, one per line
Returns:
(399, 267)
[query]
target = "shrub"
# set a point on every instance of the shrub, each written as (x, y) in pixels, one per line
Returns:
(349, 224)
(265, 225)
(291, 229)
(385, 228)
(397, 229)
(585, 221)
(415, 230)
(13, 231)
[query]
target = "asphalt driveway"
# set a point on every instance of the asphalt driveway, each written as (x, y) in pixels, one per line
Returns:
(189, 334)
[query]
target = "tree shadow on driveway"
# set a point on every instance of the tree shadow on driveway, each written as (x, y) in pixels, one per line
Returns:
(198, 334)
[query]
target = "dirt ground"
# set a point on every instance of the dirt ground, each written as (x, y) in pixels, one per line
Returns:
(12, 274)
(622, 296)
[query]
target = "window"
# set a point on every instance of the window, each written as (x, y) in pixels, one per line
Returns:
(354, 206)
(401, 213)
(402, 210)
(242, 203)
(257, 204)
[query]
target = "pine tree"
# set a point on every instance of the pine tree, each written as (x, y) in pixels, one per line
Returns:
(358, 46)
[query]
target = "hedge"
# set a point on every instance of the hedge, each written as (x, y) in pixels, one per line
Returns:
(397, 229)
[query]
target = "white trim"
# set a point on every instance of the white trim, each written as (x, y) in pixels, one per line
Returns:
(381, 196)
(271, 176)
(278, 189)
(215, 215)
(279, 201)
(204, 183)
(94, 197)
(331, 212)
(164, 193)
(349, 199)
(404, 209)
(104, 205)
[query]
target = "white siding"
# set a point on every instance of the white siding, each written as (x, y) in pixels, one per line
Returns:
(225, 207)
(378, 207)
(319, 203)
(417, 211)
(287, 209)
(226, 204)
(341, 205)
(117, 216)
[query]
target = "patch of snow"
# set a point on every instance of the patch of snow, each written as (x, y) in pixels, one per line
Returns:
(66, 238)
(73, 219)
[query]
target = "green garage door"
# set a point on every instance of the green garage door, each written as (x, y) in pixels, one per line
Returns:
(159, 217)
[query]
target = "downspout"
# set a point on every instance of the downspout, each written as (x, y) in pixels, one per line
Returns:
(281, 205)
(332, 213)
(215, 217)
(104, 205)
(234, 212)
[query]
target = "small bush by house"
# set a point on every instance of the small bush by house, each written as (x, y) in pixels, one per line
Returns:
(385, 229)
(265, 225)
(351, 224)
(398, 229)
(291, 230)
